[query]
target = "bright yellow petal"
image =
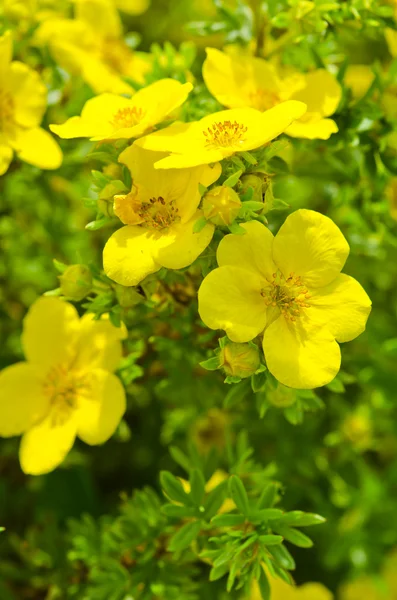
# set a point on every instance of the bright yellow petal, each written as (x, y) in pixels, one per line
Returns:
(50, 331)
(299, 355)
(46, 445)
(133, 7)
(29, 94)
(310, 245)
(316, 129)
(313, 591)
(98, 417)
(273, 122)
(6, 155)
(342, 306)
(252, 251)
(101, 16)
(322, 93)
(359, 78)
(230, 299)
(37, 147)
(99, 344)
(22, 402)
(180, 246)
(5, 54)
(128, 255)
(391, 39)
(193, 159)
(161, 98)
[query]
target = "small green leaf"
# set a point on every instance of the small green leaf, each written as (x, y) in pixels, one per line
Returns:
(252, 205)
(218, 572)
(227, 520)
(271, 540)
(197, 486)
(179, 512)
(237, 229)
(173, 487)
(267, 514)
(237, 393)
(258, 381)
(233, 179)
(211, 364)
(249, 158)
(298, 518)
(294, 536)
(267, 497)
(60, 267)
(264, 586)
(184, 537)
(283, 557)
(238, 494)
(99, 223)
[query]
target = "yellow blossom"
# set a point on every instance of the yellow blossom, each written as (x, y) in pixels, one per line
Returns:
(282, 591)
(23, 100)
(364, 587)
(132, 7)
(112, 117)
(159, 214)
(246, 81)
(289, 287)
(65, 388)
(92, 46)
(220, 135)
(359, 79)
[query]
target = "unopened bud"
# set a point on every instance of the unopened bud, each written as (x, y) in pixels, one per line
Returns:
(221, 205)
(280, 395)
(76, 282)
(127, 296)
(239, 360)
(255, 183)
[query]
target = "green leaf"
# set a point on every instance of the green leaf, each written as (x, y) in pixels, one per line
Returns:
(180, 512)
(237, 229)
(237, 393)
(227, 520)
(197, 486)
(180, 458)
(233, 179)
(249, 158)
(283, 557)
(297, 518)
(264, 586)
(218, 572)
(258, 381)
(267, 514)
(294, 536)
(271, 540)
(99, 223)
(211, 364)
(199, 225)
(173, 488)
(252, 205)
(184, 537)
(268, 497)
(238, 494)
(214, 500)
(60, 267)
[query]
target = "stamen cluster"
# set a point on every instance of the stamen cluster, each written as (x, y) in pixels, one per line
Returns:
(289, 294)
(225, 133)
(158, 213)
(63, 388)
(127, 117)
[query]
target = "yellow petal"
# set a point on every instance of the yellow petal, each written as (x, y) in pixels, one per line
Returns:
(101, 16)
(22, 402)
(46, 445)
(230, 299)
(49, 332)
(180, 246)
(240, 81)
(5, 54)
(161, 98)
(133, 7)
(310, 245)
(252, 251)
(99, 416)
(342, 306)
(6, 155)
(29, 94)
(359, 78)
(99, 343)
(37, 147)
(322, 93)
(313, 591)
(391, 39)
(316, 129)
(299, 355)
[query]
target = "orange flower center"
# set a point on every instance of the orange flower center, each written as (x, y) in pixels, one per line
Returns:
(6, 110)
(289, 295)
(225, 133)
(127, 117)
(264, 99)
(157, 213)
(63, 387)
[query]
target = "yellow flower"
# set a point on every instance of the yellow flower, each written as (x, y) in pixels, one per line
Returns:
(159, 213)
(242, 81)
(111, 117)
(364, 587)
(359, 78)
(282, 591)
(290, 287)
(132, 7)
(91, 45)
(65, 389)
(23, 100)
(220, 135)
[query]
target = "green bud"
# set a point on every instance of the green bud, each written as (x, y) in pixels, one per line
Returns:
(76, 282)
(127, 296)
(221, 205)
(256, 183)
(239, 360)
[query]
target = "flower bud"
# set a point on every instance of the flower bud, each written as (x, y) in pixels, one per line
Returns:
(239, 360)
(127, 296)
(256, 183)
(76, 282)
(221, 205)
(280, 395)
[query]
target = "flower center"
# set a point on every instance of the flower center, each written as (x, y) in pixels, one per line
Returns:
(157, 213)
(264, 99)
(225, 133)
(63, 387)
(6, 110)
(116, 55)
(127, 117)
(289, 295)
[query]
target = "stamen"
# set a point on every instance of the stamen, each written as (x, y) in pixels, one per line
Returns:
(63, 387)
(225, 133)
(6, 110)
(264, 99)
(127, 117)
(289, 294)
(157, 213)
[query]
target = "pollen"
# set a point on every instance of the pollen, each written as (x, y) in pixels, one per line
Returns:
(127, 117)
(157, 213)
(224, 134)
(6, 110)
(64, 387)
(264, 99)
(288, 294)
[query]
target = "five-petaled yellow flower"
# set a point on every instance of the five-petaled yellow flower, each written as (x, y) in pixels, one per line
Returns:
(65, 389)
(112, 117)
(91, 45)
(282, 591)
(23, 101)
(290, 287)
(159, 214)
(220, 135)
(240, 81)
